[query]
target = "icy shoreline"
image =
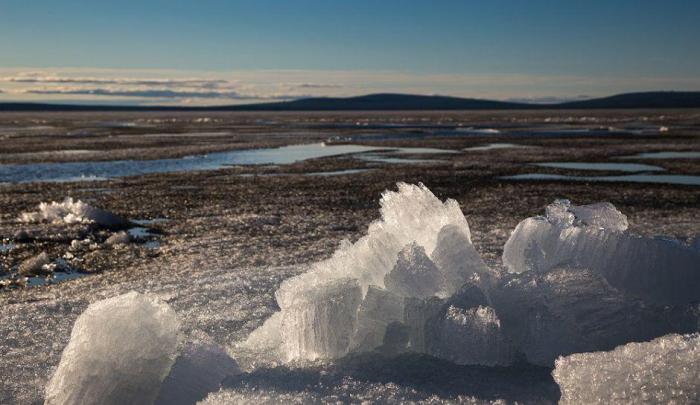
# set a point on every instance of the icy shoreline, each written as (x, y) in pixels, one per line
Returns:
(366, 298)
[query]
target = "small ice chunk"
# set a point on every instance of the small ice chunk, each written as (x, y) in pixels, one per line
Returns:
(603, 215)
(663, 371)
(71, 212)
(35, 265)
(414, 274)
(120, 351)
(320, 324)
(119, 238)
(468, 336)
(656, 270)
(198, 371)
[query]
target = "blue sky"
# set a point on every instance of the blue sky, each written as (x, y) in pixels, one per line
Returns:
(259, 50)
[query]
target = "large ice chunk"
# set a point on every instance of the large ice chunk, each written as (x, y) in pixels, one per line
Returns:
(663, 371)
(575, 310)
(320, 315)
(415, 275)
(73, 211)
(413, 214)
(120, 351)
(656, 270)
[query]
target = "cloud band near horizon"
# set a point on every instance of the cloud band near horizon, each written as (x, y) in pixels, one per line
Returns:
(206, 88)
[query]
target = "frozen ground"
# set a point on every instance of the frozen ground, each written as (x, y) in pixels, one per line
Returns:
(231, 241)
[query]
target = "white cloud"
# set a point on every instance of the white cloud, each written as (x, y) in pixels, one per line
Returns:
(154, 93)
(245, 86)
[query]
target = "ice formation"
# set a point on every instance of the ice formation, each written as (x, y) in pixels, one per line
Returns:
(347, 302)
(577, 281)
(73, 211)
(415, 283)
(120, 351)
(663, 371)
(593, 237)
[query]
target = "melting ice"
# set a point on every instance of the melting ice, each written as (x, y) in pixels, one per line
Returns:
(576, 280)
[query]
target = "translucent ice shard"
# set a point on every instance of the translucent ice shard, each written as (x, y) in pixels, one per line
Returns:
(602, 215)
(319, 324)
(73, 211)
(592, 237)
(414, 274)
(663, 371)
(456, 257)
(120, 351)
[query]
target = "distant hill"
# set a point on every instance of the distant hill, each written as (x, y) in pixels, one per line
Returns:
(395, 102)
(386, 102)
(651, 99)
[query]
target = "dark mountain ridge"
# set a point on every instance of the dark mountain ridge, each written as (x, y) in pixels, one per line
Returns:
(398, 102)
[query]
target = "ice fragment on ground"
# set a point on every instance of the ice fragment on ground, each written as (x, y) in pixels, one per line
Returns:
(71, 212)
(414, 274)
(198, 371)
(662, 371)
(120, 351)
(656, 270)
(119, 238)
